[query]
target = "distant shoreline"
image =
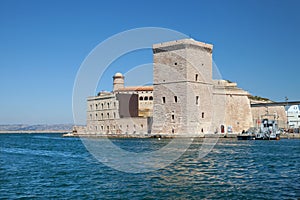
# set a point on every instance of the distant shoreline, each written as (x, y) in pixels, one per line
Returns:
(35, 131)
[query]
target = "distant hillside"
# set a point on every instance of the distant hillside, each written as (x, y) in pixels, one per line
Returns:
(38, 127)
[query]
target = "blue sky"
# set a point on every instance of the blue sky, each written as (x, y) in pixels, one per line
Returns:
(43, 43)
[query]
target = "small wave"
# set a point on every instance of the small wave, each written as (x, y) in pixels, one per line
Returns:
(53, 137)
(38, 152)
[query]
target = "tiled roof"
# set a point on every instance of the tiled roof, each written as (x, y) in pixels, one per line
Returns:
(135, 88)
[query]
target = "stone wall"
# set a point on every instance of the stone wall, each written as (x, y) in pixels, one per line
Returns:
(128, 105)
(182, 87)
(237, 114)
(132, 125)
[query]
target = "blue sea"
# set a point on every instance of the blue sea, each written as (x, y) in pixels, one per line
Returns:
(48, 166)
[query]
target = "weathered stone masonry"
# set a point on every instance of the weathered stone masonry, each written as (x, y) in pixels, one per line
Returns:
(184, 98)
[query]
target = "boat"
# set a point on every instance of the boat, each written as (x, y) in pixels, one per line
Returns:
(268, 130)
(246, 136)
(70, 134)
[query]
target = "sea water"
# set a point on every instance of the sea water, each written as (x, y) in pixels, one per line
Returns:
(48, 166)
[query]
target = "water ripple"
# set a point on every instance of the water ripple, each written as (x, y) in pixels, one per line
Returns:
(51, 167)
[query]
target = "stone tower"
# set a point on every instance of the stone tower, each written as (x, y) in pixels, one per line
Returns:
(118, 81)
(183, 87)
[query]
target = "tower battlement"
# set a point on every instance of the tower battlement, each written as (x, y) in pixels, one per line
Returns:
(181, 44)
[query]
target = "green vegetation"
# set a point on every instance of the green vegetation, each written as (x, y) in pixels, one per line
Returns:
(257, 98)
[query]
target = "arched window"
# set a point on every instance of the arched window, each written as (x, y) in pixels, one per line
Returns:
(151, 98)
(114, 115)
(91, 116)
(196, 77)
(96, 106)
(102, 106)
(101, 115)
(175, 99)
(107, 105)
(107, 115)
(96, 116)
(141, 98)
(146, 98)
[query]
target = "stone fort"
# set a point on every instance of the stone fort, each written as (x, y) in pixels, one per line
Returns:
(184, 98)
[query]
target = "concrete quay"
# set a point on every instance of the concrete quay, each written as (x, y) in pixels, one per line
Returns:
(208, 135)
(290, 136)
